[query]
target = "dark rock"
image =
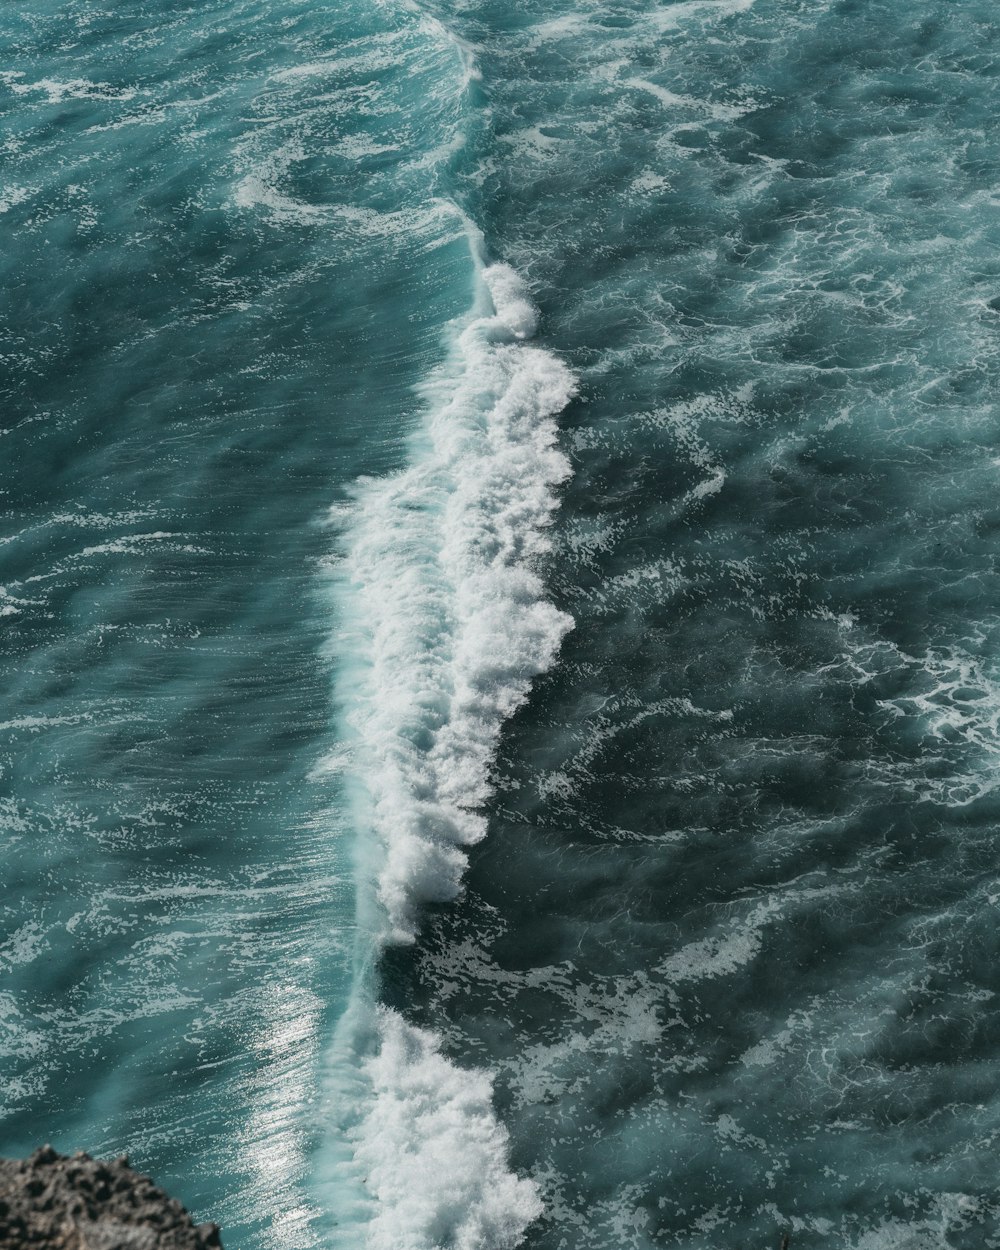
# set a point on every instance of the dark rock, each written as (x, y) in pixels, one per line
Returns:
(55, 1202)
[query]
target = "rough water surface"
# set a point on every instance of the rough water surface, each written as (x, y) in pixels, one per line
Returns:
(343, 879)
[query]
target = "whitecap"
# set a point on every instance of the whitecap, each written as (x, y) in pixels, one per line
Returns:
(446, 612)
(445, 622)
(435, 1154)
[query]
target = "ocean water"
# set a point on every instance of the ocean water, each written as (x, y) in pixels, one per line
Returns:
(500, 738)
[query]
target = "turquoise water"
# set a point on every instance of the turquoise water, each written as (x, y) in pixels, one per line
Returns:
(499, 615)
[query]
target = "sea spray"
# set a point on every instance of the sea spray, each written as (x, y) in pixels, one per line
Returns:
(446, 622)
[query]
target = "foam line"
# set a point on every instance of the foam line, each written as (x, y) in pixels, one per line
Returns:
(446, 622)
(446, 612)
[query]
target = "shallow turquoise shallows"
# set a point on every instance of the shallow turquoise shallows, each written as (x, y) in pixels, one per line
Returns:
(500, 616)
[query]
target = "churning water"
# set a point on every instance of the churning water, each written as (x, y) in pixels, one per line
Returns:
(499, 599)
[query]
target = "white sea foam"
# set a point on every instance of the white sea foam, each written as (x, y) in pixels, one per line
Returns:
(74, 89)
(435, 1155)
(445, 603)
(446, 623)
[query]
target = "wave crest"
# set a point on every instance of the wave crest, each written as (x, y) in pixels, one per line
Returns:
(448, 612)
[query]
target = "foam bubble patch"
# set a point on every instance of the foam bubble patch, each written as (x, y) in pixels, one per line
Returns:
(435, 1155)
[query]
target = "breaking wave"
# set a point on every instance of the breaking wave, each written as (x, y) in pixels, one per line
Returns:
(447, 615)
(446, 622)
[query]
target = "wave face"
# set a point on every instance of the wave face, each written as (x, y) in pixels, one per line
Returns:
(449, 614)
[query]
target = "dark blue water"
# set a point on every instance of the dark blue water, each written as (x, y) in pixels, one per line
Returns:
(344, 775)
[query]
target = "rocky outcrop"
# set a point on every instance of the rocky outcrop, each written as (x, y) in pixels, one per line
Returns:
(63, 1202)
